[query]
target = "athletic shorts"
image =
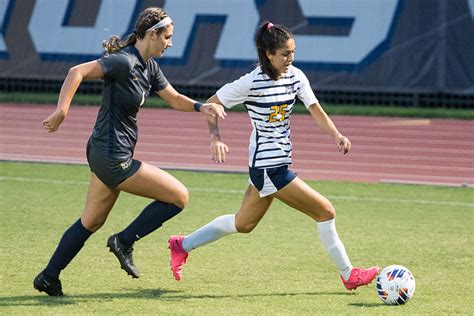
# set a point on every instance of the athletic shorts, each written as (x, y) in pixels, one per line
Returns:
(111, 172)
(270, 180)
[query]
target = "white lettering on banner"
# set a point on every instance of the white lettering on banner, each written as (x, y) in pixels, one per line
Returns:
(3, 16)
(51, 37)
(371, 26)
(236, 40)
(372, 23)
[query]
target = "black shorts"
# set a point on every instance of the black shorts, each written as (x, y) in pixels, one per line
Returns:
(270, 180)
(111, 172)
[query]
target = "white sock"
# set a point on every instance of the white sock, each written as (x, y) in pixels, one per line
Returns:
(335, 248)
(218, 228)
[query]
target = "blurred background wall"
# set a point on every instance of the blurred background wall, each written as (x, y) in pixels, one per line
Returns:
(400, 52)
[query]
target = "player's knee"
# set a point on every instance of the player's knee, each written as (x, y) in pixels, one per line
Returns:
(92, 225)
(244, 228)
(328, 212)
(182, 198)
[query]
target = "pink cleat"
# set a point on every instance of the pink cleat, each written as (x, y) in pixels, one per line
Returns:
(360, 277)
(178, 255)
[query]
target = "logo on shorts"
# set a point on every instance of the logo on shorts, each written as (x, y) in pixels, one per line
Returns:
(124, 165)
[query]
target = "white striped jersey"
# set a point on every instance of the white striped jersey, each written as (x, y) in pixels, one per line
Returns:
(269, 104)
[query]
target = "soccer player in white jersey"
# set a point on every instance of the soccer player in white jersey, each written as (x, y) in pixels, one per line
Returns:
(269, 93)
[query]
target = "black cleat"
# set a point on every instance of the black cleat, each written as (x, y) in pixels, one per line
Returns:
(52, 288)
(124, 255)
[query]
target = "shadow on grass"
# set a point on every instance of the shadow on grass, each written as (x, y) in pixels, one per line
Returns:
(43, 299)
(161, 294)
(365, 305)
(218, 296)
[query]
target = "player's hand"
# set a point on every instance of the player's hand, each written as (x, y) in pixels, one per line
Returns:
(218, 151)
(213, 109)
(343, 144)
(53, 121)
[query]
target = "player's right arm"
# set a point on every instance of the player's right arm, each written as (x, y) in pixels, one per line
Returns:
(218, 148)
(230, 94)
(85, 71)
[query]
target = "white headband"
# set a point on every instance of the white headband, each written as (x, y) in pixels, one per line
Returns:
(162, 23)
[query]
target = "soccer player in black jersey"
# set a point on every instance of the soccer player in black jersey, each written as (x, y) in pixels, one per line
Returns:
(130, 74)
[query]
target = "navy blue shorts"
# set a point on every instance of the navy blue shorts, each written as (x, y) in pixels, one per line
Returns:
(270, 180)
(111, 172)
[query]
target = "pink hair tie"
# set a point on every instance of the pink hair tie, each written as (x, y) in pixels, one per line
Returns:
(269, 25)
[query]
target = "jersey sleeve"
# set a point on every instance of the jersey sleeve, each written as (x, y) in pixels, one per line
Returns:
(159, 81)
(235, 92)
(305, 93)
(115, 66)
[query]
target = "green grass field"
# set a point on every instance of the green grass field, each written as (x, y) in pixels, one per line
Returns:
(280, 268)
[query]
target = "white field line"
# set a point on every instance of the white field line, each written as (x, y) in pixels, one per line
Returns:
(240, 192)
(451, 181)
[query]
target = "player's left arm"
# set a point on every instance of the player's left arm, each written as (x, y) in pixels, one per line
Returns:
(326, 124)
(183, 103)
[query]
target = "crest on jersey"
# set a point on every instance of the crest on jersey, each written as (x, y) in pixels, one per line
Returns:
(289, 89)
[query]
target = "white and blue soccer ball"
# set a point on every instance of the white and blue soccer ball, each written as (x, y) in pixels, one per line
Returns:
(395, 285)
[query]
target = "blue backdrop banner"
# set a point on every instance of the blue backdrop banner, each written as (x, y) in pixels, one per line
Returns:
(345, 45)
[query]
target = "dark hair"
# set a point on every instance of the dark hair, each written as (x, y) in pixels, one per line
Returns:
(146, 19)
(270, 37)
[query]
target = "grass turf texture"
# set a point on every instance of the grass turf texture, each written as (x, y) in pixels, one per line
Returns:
(331, 109)
(280, 268)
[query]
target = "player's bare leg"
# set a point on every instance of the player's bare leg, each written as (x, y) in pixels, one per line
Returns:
(170, 197)
(100, 200)
(154, 183)
(302, 197)
(251, 211)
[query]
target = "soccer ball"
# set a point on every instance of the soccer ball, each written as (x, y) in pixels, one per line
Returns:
(395, 285)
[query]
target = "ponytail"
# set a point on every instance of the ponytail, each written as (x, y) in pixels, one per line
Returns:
(114, 43)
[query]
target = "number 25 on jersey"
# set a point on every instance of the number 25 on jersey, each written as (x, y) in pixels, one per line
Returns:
(278, 113)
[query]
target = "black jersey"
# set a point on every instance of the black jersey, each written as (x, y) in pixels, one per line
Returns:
(128, 81)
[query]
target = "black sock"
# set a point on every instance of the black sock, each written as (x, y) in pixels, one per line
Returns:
(70, 244)
(150, 219)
